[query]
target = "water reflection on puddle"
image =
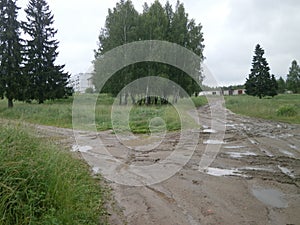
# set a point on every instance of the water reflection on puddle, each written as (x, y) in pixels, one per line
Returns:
(218, 172)
(240, 154)
(213, 142)
(209, 131)
(78, 148)
(270, 197)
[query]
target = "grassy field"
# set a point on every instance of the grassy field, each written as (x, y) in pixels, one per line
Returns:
(40, 184)
(59, 113)
(284, 108)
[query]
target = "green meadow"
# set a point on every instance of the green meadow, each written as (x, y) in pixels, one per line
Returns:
(283, 108)
(59, 113)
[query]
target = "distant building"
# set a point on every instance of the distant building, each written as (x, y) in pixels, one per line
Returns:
(80, 82)
(223, 92)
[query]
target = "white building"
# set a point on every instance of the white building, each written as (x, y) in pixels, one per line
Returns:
(80, 82)
(223, 92)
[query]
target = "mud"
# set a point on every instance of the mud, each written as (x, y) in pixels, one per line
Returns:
(254, 180)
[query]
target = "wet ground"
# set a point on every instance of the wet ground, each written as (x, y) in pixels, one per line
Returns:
(254, 177)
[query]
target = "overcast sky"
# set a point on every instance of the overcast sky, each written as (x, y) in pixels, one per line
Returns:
(231, 30)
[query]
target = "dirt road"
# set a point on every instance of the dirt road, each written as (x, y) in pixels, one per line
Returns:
(255, 178)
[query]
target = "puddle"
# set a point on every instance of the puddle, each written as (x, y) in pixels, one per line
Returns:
(258, 169)
(253, 142)
(270, 197)
(78, 148)
(240, 154)
(213, 142)
(96, 170)
(234, 147)
(209, 131)
(286, 171)
(231, 125)
(286, 135)
(293, 147)
(287, 153)
(218, 172)
(267, 152)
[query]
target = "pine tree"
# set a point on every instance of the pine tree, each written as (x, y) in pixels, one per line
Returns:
(293, 78)
(10, 52)
(45, 79)
(260, 83)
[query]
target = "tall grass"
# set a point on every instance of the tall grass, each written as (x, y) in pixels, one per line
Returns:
(267, 108)
(59, 113)
(40, 184)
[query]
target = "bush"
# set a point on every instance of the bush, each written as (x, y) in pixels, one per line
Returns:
(89, 90)
(287, 111)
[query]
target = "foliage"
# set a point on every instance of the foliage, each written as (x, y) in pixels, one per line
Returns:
(260, 83)
(89, 90)
(267, 108)
(293, 78)
(41, 184)
(11, 80)
(281, 85)
(287, 110)
(124, 25)
(45, 80)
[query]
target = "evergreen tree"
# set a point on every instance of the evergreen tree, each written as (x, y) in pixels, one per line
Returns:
(293, 78)
(45, 79)
(260, 83)
(10, 52)
(281, 85)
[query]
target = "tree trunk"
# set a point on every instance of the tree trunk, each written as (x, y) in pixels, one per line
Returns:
(10, 103)
(120, 99)
(126, 99)
(132, 99)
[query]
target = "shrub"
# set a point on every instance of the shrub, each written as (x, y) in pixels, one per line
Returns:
(89, 90)
(287, 111)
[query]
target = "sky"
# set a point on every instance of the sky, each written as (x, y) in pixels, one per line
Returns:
(231, 28)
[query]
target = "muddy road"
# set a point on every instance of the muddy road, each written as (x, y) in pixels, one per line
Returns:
(253, 180)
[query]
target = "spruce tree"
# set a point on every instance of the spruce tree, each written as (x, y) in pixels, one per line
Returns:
(260, 83)
(293, 78)
(45, 79)
(10, 52)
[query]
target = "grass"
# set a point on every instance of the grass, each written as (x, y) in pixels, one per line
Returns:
(40, 184)
(59, 113)
(283, 108)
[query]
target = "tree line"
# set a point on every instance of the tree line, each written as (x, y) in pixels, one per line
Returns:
(260, 83)
(157, 22)
(27, 66)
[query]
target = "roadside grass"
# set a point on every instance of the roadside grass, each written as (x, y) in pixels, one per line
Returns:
(59, 113)
(283, 108)
(40, 184)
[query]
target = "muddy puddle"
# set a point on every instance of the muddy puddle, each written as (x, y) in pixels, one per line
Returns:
(270, 197)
